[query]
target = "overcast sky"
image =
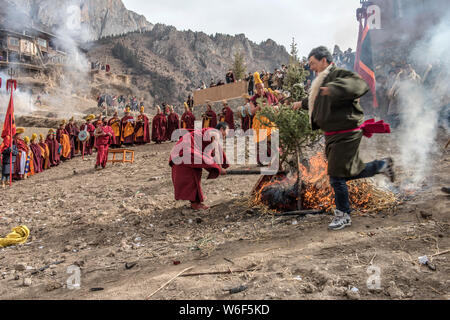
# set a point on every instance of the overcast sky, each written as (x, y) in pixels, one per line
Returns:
(311, 22)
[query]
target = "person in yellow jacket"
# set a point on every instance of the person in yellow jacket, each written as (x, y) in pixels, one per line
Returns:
(260, 123)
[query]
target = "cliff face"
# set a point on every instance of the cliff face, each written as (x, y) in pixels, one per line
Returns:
(167, 64)
(99, 18)
(173, 63)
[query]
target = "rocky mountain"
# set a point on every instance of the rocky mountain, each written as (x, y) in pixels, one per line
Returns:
(99, 18)
(170, 63)
(165, 64)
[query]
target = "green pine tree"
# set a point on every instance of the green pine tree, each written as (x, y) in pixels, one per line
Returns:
(239, 68)
(295, 76)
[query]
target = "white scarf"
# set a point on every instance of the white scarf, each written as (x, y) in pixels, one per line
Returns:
(315, 89)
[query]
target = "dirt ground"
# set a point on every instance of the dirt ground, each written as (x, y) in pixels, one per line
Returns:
(126, 216)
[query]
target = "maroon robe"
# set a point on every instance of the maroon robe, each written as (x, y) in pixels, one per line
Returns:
(229, 117)
(246, 123)
(129, 139)
(213, 119)
(159, 127)
(44, 146)
(21, 146)
(144, 123)
(270, 98)
(173, 123)
(89, 144)
(38, 158)
(188, 121)
(59, 133)
(73, 132)
(187, 177)
(53, 147)
(117, 142)
(103, 143)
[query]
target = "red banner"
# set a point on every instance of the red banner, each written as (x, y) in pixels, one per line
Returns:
(363, 62)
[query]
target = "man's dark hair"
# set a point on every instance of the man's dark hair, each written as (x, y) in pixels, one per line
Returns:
(321, 52)
(222, 125)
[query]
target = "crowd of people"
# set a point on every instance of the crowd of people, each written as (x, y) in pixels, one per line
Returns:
(396, 89)
(34, 155)
(119, 102)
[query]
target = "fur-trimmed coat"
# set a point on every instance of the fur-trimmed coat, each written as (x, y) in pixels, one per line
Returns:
(337, 112)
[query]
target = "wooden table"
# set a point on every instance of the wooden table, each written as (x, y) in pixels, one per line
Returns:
(124, 153)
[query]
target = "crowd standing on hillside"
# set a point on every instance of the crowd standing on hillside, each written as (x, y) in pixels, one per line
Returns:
(31, 156)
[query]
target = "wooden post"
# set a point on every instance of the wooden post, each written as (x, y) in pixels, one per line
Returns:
(299, 180)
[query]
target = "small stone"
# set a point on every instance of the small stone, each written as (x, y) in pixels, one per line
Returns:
(16, 278)
(20, 267)
(309, 288)
(353, 294)
(67, 248)
(27, 282)
(394, 292)
(53, 286)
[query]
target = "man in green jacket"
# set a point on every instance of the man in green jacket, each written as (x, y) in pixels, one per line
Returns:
(333, 106)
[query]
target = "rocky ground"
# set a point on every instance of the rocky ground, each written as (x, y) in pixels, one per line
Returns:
(128, 236)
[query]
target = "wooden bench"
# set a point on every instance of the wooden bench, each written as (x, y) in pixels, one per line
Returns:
(124, 153)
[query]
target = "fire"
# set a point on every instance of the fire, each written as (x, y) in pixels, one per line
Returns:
(281, 193)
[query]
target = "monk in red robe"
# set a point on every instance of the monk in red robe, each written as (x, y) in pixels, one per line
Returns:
(267, 99)
(62, 136)
(142, 130)
(104, 137)
(45, 152)
(114, 123)
(245, 114)
(187, 119)
(190, 156)
(38, 158)
(90, 128)
(229, 115)
(53, 146)
(173, 123)
(159, 127)
(127, 125)
(73, 132)
(209, 117)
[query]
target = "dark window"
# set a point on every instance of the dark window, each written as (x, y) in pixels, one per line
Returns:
(14, 42)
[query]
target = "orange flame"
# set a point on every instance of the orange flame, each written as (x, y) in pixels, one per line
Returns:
(317, 192)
